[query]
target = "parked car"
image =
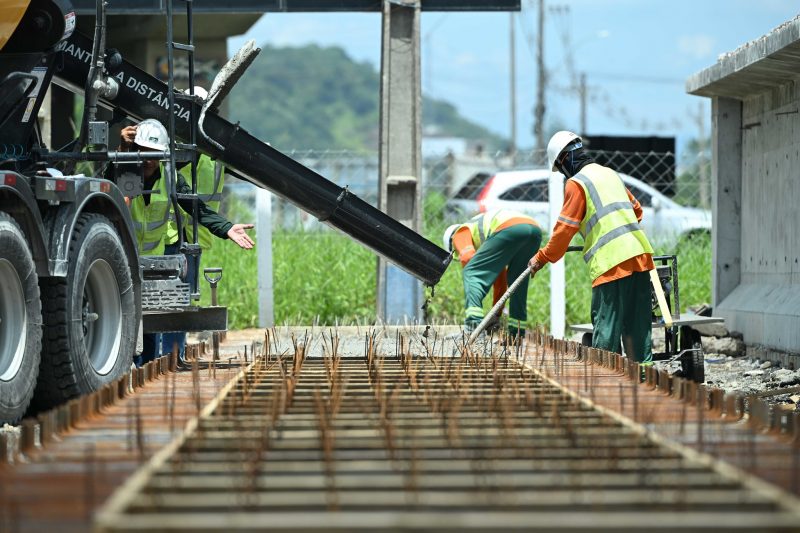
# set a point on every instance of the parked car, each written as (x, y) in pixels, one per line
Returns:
(464, 203)
(527, 191)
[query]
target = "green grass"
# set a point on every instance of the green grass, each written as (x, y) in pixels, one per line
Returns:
(326, 278)
(319, 277)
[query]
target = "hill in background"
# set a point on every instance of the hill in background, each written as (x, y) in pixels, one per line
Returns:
(314, 97)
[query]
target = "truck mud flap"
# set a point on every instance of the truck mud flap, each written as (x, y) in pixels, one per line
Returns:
(190, 319)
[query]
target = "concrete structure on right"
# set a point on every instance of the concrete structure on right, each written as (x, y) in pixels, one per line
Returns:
(755, 94)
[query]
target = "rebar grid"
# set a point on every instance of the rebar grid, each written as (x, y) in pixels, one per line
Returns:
(473, 441)
(743, 431)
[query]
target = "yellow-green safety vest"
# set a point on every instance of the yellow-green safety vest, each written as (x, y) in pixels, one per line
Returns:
(210, 181)
(485, 225)
(150, 221)
(610, 230)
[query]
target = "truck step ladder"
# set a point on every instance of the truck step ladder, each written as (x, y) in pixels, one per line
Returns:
(192, 249)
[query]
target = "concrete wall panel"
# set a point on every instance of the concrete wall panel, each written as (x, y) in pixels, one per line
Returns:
(762, 180)
(726, 183)
(766, 306)
(767, 314)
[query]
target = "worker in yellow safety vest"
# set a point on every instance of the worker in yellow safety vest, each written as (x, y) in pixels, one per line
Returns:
(599, 207)
(493, 247)
(150, 210)
(210, 181)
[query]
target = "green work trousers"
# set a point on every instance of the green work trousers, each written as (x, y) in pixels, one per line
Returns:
(511, 247)
(621, 316)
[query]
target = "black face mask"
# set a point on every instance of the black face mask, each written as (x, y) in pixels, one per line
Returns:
(573, 162)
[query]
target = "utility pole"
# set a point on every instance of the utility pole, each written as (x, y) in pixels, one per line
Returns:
(582, 92)
(512, 150)
(399, 297)
(538, 123)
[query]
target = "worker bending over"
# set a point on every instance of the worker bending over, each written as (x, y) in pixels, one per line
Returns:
(150, 211)
(493, 247)
(599, 207)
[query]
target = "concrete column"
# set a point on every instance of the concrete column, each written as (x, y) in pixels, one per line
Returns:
(399, 193)
(726, 183)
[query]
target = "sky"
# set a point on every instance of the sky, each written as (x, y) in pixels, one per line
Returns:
(636, 55)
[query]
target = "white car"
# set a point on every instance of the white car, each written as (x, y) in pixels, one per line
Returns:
(526, 191)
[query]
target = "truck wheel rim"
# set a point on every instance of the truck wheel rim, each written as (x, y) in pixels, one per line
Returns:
(13, 321)
(101, 317)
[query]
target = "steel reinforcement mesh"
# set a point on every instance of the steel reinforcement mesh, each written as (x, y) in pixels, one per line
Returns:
(406, 442)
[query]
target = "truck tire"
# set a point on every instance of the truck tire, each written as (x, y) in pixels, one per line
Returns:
(586, 339)
(20, 322)
(89, 316)
(692, 363)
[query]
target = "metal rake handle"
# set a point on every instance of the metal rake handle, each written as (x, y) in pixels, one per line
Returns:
(499, 304)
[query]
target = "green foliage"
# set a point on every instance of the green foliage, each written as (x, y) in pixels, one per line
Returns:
(433, 210)
(320, 277)
(444, 118)
(326, 278)
(238, 289)
(314, 97)
(694, 269)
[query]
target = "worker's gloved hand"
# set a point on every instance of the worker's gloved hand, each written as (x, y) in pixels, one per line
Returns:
(466, 256)
(493, 325)
(534, 265)
(238, 235)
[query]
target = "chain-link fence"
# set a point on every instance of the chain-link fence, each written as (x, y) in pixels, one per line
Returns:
(321, 276)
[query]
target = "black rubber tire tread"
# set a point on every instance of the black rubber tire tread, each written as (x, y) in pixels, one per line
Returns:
(16, 394)
(688, 337)
(66, 371)
(699, 363)
(692, 363)
(586, 339)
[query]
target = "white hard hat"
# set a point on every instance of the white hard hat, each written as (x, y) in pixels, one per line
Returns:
(198, 91)
(557, 143)
(151, 133)
(447, 240)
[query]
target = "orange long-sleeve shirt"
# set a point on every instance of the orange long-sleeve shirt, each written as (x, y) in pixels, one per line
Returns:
(567, 225)
(463, 245)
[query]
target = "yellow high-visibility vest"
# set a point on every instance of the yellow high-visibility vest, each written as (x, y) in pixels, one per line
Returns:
(210, 181)
(150, 221)
(609, 228)
(485, 225)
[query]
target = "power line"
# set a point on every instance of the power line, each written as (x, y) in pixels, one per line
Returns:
(636, 78)
(599, 97)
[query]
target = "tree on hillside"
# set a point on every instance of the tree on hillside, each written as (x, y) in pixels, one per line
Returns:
(314, 97)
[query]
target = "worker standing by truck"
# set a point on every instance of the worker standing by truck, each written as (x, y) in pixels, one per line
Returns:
(210, 181)
(599, 207)
(150, 211)
(492, 247)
